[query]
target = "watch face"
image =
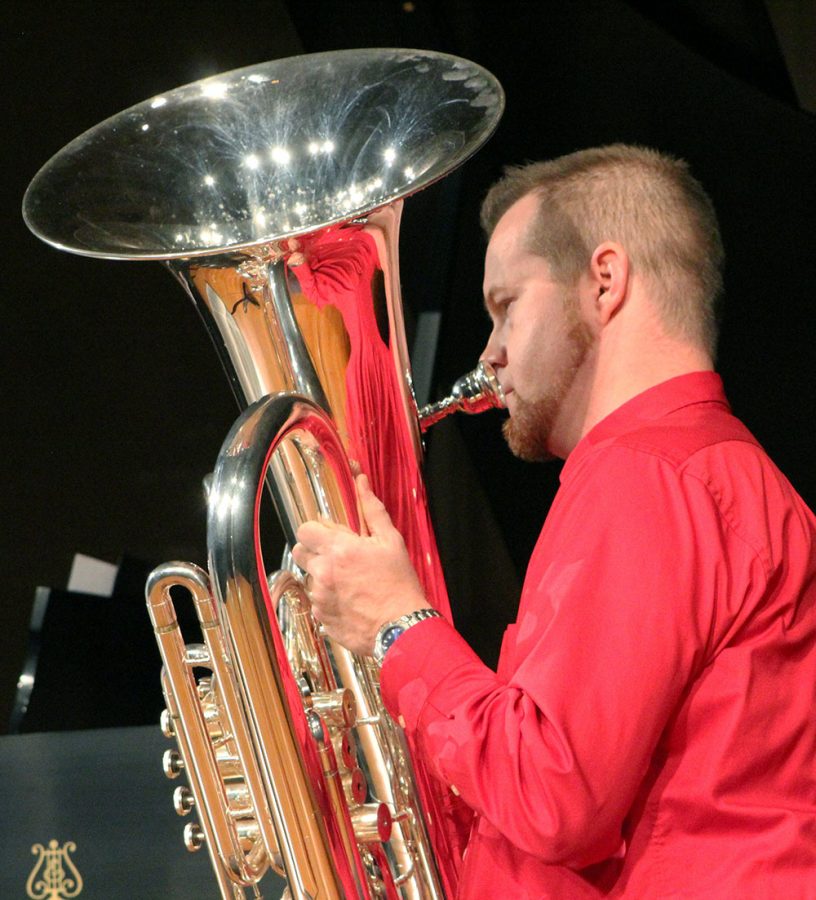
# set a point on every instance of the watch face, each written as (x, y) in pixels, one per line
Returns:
(390, 635)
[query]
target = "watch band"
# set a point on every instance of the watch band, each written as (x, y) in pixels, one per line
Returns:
(389, 632)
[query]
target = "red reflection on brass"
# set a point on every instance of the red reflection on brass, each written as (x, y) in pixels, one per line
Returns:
(340, 267)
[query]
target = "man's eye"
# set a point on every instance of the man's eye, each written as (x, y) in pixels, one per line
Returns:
(500, 306)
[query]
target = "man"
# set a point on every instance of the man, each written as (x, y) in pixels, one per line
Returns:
(650, 731)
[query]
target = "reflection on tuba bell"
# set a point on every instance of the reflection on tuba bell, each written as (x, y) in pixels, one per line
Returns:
(273, 194)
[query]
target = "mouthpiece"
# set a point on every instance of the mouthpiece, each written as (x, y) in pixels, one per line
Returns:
(473, 393)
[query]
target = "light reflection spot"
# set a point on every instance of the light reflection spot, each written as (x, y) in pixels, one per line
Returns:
(214, 90)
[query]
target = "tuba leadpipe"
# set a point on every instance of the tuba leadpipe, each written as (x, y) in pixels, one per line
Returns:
(274, 195)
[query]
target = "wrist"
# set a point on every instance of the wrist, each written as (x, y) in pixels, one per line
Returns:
(390, 631)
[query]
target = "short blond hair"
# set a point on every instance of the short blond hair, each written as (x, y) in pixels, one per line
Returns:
(647, 201)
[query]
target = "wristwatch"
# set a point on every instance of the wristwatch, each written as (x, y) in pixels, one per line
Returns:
(392, 630)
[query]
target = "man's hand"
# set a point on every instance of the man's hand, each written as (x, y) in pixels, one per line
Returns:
(357, 583)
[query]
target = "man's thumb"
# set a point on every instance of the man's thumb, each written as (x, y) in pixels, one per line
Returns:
(374, 512)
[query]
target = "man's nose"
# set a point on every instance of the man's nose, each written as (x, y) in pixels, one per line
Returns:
(493, 351)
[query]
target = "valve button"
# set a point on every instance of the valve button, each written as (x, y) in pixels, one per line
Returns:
(371, 822)
(183, 800)
(384, 823)
(194, 838)
(348, 752)
(337, 707)
(172, 763)
(357, 785)
(166, 723)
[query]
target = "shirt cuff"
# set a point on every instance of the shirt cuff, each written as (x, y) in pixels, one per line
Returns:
(416, 663)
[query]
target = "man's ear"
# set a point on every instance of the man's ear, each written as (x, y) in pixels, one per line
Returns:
(609, 279)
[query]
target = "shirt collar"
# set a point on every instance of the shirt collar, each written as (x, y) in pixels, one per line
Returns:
(654, 403)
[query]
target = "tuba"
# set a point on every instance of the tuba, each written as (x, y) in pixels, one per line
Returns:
(273, 194)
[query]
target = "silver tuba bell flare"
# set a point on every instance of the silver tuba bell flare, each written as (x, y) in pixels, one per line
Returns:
(273, 194)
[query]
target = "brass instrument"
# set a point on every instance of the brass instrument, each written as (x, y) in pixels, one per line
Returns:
(273, 194)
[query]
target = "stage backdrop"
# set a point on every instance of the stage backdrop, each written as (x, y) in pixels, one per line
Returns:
(114, 406)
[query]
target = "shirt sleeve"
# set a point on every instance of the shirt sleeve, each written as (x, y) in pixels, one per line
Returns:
(626, 597)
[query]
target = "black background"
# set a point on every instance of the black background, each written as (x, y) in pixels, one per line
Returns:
(114, 405)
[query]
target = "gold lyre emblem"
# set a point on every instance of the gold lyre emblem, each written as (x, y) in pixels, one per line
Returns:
(54, 876)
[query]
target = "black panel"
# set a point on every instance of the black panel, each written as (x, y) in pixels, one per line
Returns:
(105, 792)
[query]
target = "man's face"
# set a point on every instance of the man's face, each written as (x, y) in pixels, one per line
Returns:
(540, 344)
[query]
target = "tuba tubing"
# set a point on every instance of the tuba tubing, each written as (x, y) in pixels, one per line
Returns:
(197, 735)
(289, 742)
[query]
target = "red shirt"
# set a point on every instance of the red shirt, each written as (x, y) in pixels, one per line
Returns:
(651, 730)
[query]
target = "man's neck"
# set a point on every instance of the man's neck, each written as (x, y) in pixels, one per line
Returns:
(622, 375)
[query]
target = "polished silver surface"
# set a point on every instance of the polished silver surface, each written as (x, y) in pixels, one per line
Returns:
(475, 392)
(263, 152)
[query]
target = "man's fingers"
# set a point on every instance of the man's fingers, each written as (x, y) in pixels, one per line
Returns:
(301, 555)
(316, 535)
(374, 512)
(309, 552)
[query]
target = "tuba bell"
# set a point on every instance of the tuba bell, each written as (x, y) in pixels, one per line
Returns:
(273, 194)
